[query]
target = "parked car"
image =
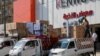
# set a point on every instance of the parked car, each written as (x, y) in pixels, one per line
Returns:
(73, 47)
(32, 47)
(5, 45)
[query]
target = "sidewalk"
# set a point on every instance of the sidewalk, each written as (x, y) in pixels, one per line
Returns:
(98, 49)
(98, 54)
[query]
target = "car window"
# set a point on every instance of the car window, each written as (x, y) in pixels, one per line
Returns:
(8, 43)
(30, 44)
(12, 42)
(71, 45)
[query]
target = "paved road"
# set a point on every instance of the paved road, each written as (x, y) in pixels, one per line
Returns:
(4, 51)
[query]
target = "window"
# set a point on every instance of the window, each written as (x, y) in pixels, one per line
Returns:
(71, 45)
(32, 43)
(8, 43)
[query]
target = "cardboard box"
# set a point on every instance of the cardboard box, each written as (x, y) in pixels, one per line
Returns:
(19, 28)
(44, 22)
(74, 32)
(42, 27)
(78, 32)
(63, 30)
(50, 28)
(58, 31)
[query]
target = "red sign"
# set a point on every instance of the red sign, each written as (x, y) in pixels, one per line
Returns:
(76, 15)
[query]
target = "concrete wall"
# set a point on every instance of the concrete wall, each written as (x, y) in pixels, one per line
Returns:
(42, 9)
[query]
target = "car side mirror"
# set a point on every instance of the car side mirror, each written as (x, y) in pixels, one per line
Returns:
(1, 46)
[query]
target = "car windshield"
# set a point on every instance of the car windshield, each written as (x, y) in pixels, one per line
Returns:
(20, 44)
(61, 44)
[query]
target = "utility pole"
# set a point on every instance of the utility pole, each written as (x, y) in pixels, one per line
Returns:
(66, 25)
(5, 13)
(4, 18)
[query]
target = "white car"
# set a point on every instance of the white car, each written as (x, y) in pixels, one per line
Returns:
(73, 47)
(5, 45)
(25, 47)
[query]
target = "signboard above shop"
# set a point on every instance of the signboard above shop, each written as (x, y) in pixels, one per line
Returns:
(77, 15)
(68, 3)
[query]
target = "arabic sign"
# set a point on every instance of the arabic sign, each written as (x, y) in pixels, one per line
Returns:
(77, 15)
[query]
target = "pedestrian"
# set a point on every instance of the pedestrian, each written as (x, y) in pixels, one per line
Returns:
(94, 37)
(85, 24)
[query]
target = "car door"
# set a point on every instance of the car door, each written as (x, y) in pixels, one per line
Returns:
(38, 47)
(71, 49)
(7, 46)
(29, 49)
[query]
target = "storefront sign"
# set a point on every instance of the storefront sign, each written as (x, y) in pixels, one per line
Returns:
(76, 15)
(67, 3)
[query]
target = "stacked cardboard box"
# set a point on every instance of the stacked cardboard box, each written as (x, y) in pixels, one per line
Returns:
(53, 34)
(71, 31)
(74, 32)
(41, 28)
(29, 28)
(44, 22)
(16, 28)
(63, 31)
(37, 29)
(21, 28)
(58, 31)
(78, 31)
(50, 30)
(44, 26)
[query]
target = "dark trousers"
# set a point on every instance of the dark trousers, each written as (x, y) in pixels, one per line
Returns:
(87, 33)
(95, 48)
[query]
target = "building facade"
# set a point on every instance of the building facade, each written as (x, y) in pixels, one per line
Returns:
(60, 11)
(73, 10)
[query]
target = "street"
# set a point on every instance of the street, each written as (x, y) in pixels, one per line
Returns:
(4, 52)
